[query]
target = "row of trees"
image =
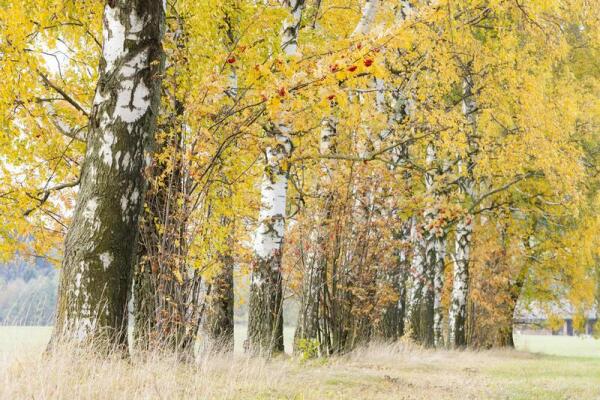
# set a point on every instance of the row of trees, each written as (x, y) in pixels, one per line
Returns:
(402, 169)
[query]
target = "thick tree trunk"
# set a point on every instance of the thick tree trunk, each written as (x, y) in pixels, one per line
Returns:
(100, 245)
(144, 306)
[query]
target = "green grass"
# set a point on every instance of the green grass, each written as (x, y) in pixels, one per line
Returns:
(571, 346)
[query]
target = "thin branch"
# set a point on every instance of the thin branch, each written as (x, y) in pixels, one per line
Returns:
(500, 189)
(64, 95)
(46, 194)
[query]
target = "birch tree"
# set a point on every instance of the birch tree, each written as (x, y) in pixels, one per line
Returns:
(100, 245)
(265, 321)
(464, 229)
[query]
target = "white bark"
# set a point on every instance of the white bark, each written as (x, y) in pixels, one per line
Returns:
(366, 20)
(265, 321)
(435, 246)
(464, 229)
(458, 306)
(269, 235)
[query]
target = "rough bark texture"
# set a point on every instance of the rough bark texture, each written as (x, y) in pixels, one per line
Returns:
(100, 245)
(437, 263)
(219, 324)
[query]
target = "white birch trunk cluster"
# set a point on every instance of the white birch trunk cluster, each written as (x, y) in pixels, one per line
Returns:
(464, 229)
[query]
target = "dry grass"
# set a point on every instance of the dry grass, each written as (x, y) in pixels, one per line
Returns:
(377, 372)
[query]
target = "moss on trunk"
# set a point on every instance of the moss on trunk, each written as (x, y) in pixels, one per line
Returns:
(100, 244)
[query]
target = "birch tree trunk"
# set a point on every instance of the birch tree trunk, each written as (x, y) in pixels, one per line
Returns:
(393, 320)
(458, 306)
(435, 245)
(427, 266)
(437, 266)
(416, 316)
(100, 244)
(265, 319)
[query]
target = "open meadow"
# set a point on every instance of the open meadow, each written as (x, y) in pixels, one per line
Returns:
(399, 371)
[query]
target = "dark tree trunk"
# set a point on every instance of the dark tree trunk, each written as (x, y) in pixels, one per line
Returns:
(144, 306)
(100, 245)
(311, 318)
(219, 324)
(265, 319)
(391, 325)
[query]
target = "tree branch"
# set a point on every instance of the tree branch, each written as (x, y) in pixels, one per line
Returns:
(46, 194)
(64, 95)
(500, 189)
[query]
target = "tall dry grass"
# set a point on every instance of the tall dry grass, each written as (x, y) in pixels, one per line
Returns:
(379, 371)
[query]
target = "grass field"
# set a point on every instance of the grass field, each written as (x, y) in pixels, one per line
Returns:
(379, 372)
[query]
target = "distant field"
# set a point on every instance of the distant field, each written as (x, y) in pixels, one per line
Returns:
(17, 338)
(35, 337)
(569, 346)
